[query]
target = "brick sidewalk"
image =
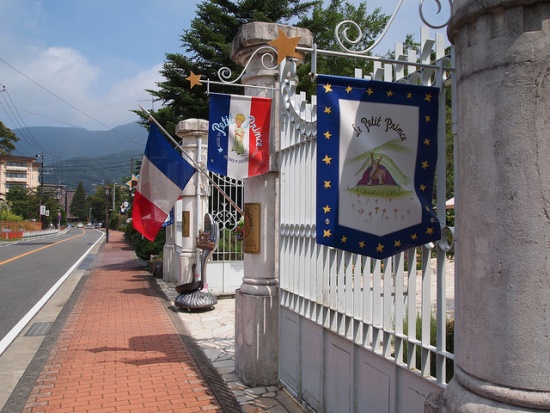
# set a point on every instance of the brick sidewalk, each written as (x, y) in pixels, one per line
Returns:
(119, 350)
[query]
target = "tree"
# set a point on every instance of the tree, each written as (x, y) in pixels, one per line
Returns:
(79, 204)
(21, 203)
(97, 202)
(207, 44)
(7, 140)
(26, 204)
(322, 23)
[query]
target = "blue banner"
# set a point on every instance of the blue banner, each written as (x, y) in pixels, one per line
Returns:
(376, 158)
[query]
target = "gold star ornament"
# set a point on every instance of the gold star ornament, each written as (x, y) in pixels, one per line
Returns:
(286, 46)
(194, 79)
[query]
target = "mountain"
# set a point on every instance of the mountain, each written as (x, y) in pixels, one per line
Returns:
(65, 143)
(93, 171)
(73, 155)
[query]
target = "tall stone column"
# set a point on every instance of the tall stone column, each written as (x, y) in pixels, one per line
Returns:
(502, 326)
(257, 302)
(180, 251)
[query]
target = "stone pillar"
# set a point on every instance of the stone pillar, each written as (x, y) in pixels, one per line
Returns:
(180, 251)
(502, 326)
(257, 302)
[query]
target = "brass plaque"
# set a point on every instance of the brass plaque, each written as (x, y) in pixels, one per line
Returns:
(185, 224)
(252, 233)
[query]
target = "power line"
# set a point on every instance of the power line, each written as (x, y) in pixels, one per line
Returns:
(64, 101)
(19, 119)
(45, 117)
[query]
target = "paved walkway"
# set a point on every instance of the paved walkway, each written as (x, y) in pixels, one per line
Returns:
(214, 333)
(121, 347)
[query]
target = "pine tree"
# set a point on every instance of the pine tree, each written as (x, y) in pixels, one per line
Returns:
(79, 204)
(7, 140)
(207, 44)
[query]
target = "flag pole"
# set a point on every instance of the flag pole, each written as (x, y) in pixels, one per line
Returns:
(192, 161)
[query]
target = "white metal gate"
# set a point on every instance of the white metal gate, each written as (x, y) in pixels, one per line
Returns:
(358, 334)
(225, 271)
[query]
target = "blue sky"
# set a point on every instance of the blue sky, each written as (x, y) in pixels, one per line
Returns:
(87, 63)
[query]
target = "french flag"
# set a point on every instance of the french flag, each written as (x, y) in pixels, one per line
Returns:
(238, 136)
(163, 175)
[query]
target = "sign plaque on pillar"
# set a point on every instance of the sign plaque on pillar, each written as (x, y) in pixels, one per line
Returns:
(251, 243)
(185, 224)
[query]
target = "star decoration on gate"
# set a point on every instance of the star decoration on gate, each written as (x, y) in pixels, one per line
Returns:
(286, 46)
(194, 79)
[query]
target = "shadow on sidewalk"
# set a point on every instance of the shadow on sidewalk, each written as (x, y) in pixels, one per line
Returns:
(146, 350)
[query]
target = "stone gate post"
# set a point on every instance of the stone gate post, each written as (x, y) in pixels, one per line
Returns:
(180, 252)
(502, 326)
(256, 302)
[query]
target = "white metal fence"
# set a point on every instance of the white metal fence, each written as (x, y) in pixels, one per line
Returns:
(399, 308)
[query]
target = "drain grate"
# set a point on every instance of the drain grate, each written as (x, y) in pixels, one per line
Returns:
(88, 263)
(39, 329)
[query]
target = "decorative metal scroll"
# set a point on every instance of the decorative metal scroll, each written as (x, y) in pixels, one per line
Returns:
(225, 74)
(421, 12)
(305, 124)
(342, 29)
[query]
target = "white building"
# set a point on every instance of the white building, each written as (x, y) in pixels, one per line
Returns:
(18, 171)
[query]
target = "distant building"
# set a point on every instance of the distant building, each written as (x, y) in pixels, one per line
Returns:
(18, 171)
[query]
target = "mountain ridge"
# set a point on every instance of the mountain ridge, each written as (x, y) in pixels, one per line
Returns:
(73, 142)
(73, 155)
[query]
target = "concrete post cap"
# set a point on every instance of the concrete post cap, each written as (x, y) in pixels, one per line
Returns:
(252, 36)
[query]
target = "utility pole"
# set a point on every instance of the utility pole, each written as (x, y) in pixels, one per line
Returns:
(40, 215)
(107, 193)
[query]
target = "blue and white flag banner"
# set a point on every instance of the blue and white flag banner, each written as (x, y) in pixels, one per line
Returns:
(238, 137)
(376, 158)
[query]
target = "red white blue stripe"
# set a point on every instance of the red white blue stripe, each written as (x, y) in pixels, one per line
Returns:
(227, 158)
(163, 175)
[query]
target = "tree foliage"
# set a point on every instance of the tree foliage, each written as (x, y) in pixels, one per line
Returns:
(7, 140)
(26, 203)
(207, 46)
(79, 205)
(97, 202)
(323, 22)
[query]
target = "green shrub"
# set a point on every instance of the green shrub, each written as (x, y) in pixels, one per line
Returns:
(230, 247)
(449, 343)
(143, 247)
(7, 215)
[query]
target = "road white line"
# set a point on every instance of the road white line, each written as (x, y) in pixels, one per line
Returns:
(14, 332)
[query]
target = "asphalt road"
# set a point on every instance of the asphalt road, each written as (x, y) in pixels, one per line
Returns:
(30, 268)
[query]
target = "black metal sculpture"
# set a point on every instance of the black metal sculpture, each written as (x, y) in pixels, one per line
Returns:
(195, 295)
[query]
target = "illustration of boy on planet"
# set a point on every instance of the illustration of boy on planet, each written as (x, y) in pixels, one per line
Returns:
(238, 146)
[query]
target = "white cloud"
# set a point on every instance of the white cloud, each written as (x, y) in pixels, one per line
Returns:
(60, 83)
(82, 69)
